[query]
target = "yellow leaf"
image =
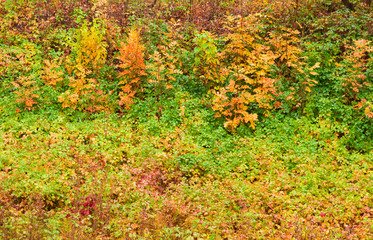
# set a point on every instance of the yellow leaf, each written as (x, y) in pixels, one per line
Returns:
(182, 109)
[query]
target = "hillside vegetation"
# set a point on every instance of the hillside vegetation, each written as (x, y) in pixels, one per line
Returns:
(205, 119)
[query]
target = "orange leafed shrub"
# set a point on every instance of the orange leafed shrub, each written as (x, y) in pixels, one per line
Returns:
(249, 62)
(26, 84)
(26, 92)
(369, 111)
(255, 63)
(132, 67)
(51, 75)
(354, 82)
(291, 65)
(368, 107)
(357, 60)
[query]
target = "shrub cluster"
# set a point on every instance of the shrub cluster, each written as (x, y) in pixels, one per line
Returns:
(186, 119)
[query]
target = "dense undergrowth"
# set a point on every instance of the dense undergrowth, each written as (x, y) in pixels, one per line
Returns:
(186, 120)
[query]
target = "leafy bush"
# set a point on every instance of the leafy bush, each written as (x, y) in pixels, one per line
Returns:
(200, 120)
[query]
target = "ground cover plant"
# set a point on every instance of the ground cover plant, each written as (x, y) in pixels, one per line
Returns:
(186, 119)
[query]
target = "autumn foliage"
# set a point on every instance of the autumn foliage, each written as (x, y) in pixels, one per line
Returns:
(179, 119)
(132, 67)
